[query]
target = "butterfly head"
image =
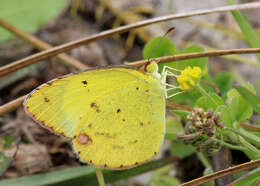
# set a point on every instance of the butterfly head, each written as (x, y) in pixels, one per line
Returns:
(152, 69)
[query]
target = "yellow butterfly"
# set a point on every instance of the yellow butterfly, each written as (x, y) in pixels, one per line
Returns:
(115, 116)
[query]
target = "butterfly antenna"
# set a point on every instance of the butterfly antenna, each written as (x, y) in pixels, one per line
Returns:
(158, 44)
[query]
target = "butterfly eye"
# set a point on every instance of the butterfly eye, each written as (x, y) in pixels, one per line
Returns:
(151, 67)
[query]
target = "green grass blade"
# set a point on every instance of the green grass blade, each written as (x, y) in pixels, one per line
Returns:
(248, 31)
(83, 175)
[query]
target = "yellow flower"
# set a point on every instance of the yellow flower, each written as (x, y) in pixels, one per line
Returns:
(189, 77)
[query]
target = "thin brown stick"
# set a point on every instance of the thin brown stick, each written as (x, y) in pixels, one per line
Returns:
(222, 173)
(65, 47)
(41, 45)
(198, 54)
(250, 127)
(11, 106)
(176, 106)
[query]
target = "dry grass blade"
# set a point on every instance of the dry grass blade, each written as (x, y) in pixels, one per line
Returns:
(41, 45)
(12, 105)
(222, 173)
(65, 47)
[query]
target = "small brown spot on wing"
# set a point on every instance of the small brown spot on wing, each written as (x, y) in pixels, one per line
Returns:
(90, 125)
(133, 142)
(137, 88)
(123, 120)
(84, 139)
(95, 106)
(146, 90)
(117, 147)
(46, 99)
(118, 110)
(84, 82)
(136, 163)
(141, 124)
(106, 135)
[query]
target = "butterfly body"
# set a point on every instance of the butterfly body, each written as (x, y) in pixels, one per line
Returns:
(115, 116)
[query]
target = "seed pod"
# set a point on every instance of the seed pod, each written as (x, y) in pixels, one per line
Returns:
(208, 123)
(187, 128)
(220, 124)
(210, 131)
(209, 113)
(217, 116)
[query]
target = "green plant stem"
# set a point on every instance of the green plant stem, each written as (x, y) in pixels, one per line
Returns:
(245, 135)
(100, 177)
(204, 160)
(249, 145)
(230, 146)
(204, 93)
(245, 143)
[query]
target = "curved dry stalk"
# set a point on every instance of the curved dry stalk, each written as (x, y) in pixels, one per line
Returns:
(222, 173)
(41, 45)
(65, 47)
(15, 103)
(197, 55)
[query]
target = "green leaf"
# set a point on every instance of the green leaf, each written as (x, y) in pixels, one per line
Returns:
(224, 82)
(83, 176)
(181, 150)
(161, 177)
(164, 181)
(250, 97)
(158, 47)
(252, 155)
(187, 97)
(200, 62)
(240, 108)
(182, 113)
(28, 15)
(209, 103)
(173, 127)
(225, 115)
(245, 27)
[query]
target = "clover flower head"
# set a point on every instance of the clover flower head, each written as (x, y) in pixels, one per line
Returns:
(189, 77)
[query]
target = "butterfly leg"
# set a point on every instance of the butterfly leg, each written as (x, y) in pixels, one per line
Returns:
(174, 94)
